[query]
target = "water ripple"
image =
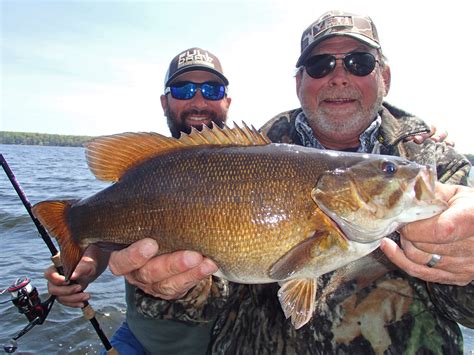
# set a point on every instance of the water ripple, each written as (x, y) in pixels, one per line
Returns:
(49, 173)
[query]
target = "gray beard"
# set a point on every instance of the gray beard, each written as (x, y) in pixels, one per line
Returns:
(370, 112)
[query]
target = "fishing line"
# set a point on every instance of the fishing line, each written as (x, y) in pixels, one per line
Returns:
(25, 297)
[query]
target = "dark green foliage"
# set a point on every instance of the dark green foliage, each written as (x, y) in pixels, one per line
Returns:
(42, 139)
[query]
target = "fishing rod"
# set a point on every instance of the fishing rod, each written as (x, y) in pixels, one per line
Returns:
(25, 297)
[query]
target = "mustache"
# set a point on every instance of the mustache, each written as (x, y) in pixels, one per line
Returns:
(338, 93)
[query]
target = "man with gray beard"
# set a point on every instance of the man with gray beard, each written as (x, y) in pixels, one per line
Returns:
(406, 303)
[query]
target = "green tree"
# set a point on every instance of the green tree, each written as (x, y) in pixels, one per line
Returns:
(26, 138)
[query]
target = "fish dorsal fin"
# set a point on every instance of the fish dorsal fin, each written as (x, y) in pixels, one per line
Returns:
(225, 136)
(109, 157)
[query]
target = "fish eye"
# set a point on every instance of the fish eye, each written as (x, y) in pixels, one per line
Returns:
(389, 168)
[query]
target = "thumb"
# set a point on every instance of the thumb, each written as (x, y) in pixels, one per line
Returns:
(84, 269)
(133, 257)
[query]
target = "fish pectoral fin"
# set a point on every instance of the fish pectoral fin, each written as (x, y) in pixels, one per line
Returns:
(303, 253)
(297, 257)
(53, 215)
(297, 298)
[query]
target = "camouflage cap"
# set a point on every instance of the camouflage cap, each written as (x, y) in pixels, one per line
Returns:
(194, 59)
(338, 23)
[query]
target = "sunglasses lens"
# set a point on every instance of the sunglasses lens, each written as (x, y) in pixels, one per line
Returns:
(319, 66)
(360, 63)
(357, 63)
(212, 91)
(187, 90)
(183, 91)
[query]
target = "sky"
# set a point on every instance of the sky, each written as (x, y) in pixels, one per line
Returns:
(94, 67)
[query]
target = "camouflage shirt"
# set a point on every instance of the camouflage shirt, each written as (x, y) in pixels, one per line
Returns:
(384, 311)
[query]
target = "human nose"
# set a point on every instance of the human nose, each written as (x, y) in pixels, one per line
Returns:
(198, 100)
(339, 76)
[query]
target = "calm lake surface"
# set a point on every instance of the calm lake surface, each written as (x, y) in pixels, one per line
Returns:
(46, 173)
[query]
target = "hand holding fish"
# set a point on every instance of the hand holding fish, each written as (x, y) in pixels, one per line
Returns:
(449, 235)
(168, 276)
(92, 264)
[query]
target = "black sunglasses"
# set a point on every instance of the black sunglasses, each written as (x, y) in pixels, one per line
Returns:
(186, 90)
(357, 63)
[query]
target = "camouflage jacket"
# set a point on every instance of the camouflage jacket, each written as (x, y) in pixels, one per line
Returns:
(388, 313)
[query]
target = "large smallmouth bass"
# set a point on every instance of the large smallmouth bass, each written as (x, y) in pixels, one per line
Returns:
(262, 212)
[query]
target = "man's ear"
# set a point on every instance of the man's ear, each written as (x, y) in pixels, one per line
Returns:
(228, 101)
(387, 78)
(164, 103)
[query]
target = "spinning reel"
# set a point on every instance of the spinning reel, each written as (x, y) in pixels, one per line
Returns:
(25, 298)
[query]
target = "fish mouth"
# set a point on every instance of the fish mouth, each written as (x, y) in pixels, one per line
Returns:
(424, 186)
(426, 204)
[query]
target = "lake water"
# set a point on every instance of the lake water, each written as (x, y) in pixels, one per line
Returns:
(45, 173)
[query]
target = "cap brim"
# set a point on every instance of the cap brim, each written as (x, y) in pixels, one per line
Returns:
(197, 67)
(357, 36)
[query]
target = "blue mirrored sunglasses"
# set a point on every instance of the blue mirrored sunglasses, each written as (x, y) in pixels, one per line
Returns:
(186, 90)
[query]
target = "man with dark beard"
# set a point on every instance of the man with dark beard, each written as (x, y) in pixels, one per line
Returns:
(195, 95)
(189, 72)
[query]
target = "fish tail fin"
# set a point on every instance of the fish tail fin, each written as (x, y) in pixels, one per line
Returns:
(53, 215)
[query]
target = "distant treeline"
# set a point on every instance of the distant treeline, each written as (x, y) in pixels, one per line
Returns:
(42, 139)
